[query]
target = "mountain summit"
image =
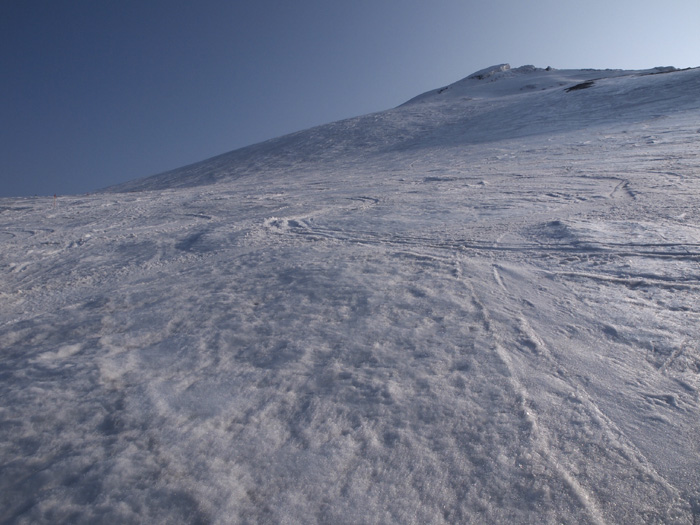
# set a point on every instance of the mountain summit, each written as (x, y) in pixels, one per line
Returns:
(493, 104)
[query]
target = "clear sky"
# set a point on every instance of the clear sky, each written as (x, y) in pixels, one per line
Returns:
(96, 92)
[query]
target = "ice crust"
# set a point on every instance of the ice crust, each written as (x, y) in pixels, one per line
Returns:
(479, 307)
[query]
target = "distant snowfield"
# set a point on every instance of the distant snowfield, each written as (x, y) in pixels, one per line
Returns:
(479, 307)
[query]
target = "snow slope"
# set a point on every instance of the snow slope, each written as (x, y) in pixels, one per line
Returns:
(479, 307)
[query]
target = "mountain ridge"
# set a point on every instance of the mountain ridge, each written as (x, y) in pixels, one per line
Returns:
(481, 107)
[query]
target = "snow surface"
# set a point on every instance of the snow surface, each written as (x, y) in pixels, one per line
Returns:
(479, 307)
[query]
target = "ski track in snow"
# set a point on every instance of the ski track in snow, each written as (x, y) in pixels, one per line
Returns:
(502, 331)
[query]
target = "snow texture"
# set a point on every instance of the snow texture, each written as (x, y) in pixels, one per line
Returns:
(479, 307)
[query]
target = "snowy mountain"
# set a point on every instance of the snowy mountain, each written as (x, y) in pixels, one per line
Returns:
(492, 105)
(479, 307)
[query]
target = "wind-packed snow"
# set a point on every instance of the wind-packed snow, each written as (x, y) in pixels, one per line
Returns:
(479, 307)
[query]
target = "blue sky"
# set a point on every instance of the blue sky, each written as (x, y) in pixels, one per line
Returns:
(99, 92)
